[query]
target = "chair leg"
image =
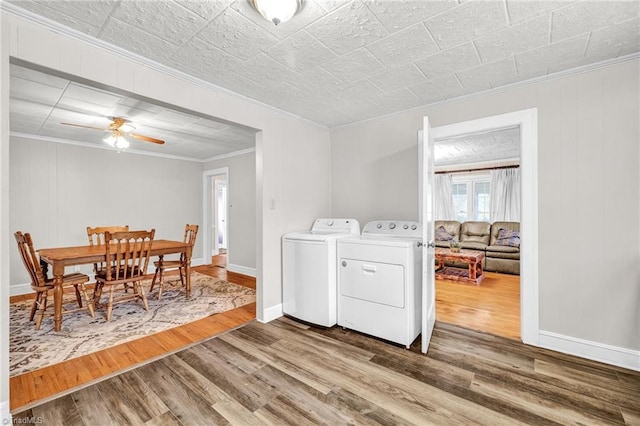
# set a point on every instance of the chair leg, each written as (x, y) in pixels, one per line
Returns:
(140, 291)
(42, 306)
(161, 283)
(110, 305)
(78, 297)
(34, 306)
(182, 275)
(87, 300)
(97, 293)
(153, 281)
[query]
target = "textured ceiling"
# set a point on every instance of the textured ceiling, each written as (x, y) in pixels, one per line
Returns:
(490, 147)
(40, 102)
(337, 62)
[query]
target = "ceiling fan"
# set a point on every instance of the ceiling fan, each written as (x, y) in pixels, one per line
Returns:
(119, 128)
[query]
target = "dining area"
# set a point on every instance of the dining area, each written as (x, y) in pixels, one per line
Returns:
(121, 260)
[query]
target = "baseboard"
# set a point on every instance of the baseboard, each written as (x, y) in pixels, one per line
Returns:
(239, 269)
(621, 357)
(271, 313)
(194, 262)
(5, 414)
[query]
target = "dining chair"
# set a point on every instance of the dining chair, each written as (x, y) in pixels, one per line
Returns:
(127, 258)
(97, 238)
(42, 285)
(162, 265)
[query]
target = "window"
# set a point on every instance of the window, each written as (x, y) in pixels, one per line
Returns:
(471, 197)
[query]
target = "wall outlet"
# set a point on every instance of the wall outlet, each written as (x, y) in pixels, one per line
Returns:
(76, 268)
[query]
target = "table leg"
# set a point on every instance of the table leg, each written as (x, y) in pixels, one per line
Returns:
(472, 270)
(57, 301)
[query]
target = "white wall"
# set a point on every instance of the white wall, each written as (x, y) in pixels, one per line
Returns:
(292, 154)
(57, 190)
(589, 184)
(242, 207)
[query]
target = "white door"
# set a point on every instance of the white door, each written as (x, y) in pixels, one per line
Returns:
(428, 272)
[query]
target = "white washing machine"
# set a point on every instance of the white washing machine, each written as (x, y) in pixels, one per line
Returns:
(380, 281)
(309, 275)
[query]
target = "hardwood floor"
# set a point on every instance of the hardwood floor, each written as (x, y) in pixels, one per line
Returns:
(32, 387)
(285, 372)
(492, 307)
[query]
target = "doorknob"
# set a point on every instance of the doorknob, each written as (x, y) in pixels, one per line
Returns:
(431, 244)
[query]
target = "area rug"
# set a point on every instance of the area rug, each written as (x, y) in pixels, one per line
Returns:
(80, 335)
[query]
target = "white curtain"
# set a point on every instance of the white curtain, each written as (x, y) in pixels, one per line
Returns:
(505, 195)
(443, 199)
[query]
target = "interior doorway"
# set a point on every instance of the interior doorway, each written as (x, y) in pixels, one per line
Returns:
(219, 211)
(526, 121)
(215, 200)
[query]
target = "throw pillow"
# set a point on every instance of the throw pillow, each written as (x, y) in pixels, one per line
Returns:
(441, 234)
(508, 237)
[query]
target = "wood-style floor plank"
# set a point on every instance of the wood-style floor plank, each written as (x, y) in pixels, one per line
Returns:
(492, 307)
(28, 388)
(286, 372)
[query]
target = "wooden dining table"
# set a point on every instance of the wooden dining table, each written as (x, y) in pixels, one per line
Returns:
(61, 257)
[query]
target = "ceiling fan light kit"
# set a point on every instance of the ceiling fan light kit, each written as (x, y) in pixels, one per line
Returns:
(277, 11)
(118, 128)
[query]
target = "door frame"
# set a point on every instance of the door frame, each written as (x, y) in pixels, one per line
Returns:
(527, 121)
(207, 210)
(220, 183)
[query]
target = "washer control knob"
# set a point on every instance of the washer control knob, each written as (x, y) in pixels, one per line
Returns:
(379, 226)
(405, 226)
(414, 227)
(330, 223)
(392, 225)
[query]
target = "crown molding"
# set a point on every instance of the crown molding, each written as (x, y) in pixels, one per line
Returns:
(56, 27)
(108, 148)
(229, 155)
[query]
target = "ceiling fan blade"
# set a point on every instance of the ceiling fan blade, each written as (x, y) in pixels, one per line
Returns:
(146, 138)
(87, 127)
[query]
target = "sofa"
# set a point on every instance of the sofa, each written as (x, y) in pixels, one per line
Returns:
(499, 241)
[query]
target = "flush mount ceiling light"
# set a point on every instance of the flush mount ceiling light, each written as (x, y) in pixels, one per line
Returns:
(277, 11)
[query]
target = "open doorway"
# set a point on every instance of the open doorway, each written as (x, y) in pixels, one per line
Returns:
(216, 212)
(477, 189)
(219, 211)
(526, 122)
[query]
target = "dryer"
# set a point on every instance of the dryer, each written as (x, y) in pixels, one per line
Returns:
(309, 276)
(380, 281)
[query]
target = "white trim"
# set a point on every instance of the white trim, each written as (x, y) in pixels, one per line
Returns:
(5, 413)
(600, 352)
(271, 313)
(239, 269)
(127, 151)
(230, 154)
(59, 28)
(527, 120)
(207, 213)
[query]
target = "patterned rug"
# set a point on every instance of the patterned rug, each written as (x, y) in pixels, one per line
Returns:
(81, 334)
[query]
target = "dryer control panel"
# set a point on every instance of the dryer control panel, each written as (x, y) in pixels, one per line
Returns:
(331, 225)
(395, 228)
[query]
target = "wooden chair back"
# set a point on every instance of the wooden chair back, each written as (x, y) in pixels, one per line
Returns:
(190, 234)
(97, 237)
(128, 253)
(30, 260)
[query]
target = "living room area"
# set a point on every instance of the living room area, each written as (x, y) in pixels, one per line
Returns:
(477, 194)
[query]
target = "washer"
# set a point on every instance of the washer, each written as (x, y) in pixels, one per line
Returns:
(309, 271)
(380, 281)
